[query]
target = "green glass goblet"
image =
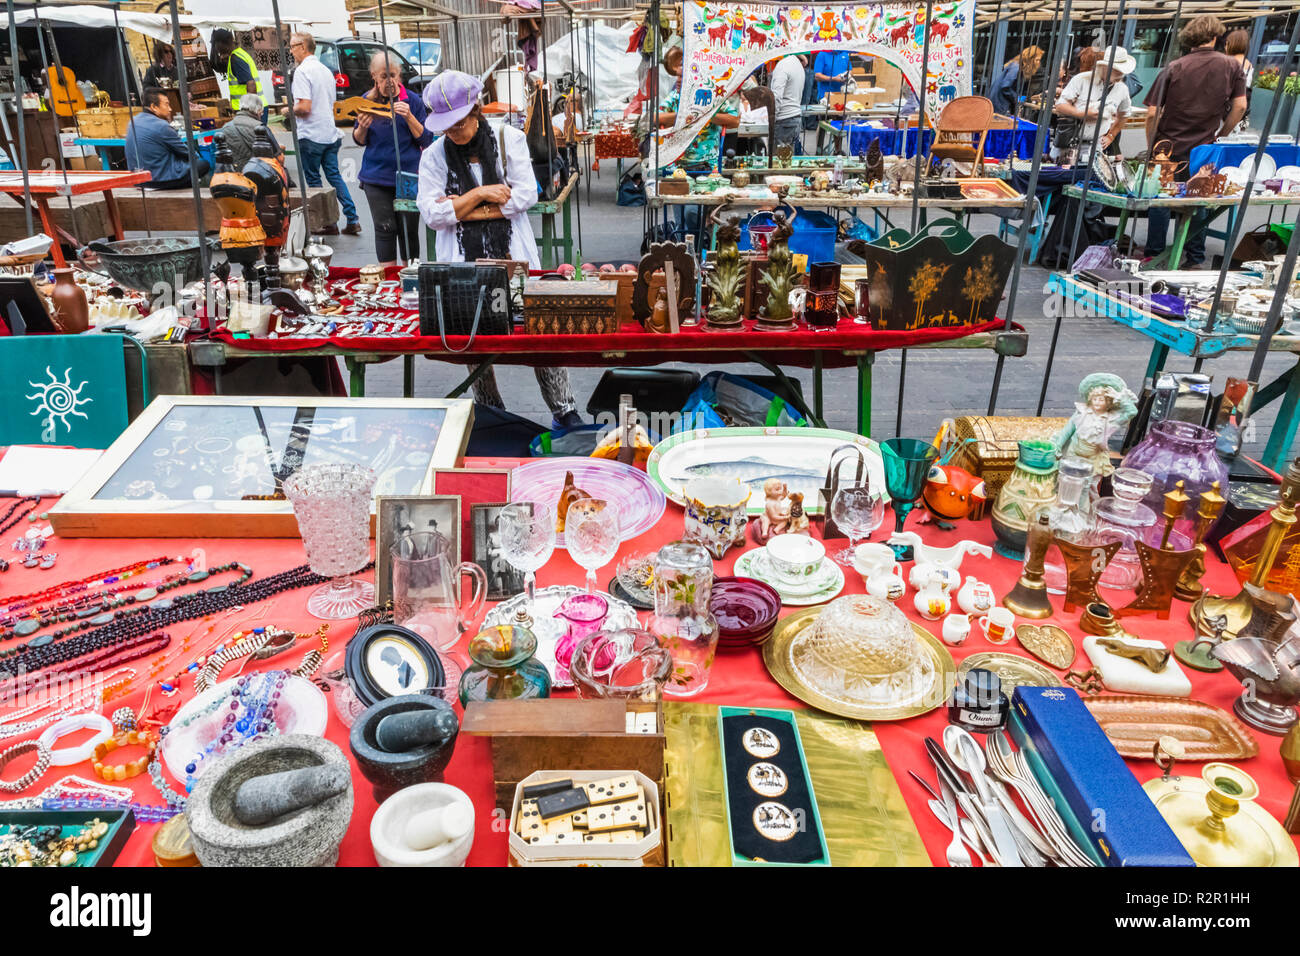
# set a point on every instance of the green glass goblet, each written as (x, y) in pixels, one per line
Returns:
(907, 463)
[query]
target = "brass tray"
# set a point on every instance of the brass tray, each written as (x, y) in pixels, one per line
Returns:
(1012, 669)
(1134, 722)
(987, 189)
(863, 815)
(1253, 837)
(776, 658)
(1050, 643)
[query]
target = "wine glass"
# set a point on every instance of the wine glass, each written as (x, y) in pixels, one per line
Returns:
(907, 463)
(858, 511)
(527, 531)
(591, 533)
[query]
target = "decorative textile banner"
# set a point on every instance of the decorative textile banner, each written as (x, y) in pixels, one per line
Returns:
(723, 43)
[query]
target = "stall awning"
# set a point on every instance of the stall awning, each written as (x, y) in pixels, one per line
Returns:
(155, 25)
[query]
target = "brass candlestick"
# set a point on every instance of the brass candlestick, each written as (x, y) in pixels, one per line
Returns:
(1189, 586)
(1238, 609)
(1029, 597)
(1161, 567)
(1084, 564)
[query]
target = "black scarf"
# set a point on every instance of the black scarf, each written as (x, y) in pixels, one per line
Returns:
(483, 238)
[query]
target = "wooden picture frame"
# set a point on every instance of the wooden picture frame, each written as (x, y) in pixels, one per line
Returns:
(473, 486)
(504, 581)
(396, 515)
(262, 440)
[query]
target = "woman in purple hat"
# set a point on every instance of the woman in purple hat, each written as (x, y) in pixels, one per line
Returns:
(476, 188)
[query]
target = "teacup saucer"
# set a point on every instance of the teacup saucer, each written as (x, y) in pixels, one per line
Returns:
(822, 585)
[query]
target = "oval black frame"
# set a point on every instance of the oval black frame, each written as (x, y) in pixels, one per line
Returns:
(364, 686)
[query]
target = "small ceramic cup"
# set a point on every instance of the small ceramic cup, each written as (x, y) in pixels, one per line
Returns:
(997, 625)
(956, 628)
(882, 575)
(716, 513)
(794, 557)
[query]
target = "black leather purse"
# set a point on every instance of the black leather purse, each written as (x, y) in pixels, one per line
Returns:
(461, 298)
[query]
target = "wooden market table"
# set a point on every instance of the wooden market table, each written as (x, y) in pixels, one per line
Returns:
(1183, 209)
(44, 184)
(738, 677)
(1168, 335)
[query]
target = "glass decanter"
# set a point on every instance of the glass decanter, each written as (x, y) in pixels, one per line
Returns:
(682, 620)
(1124, 518)
(1067, 516)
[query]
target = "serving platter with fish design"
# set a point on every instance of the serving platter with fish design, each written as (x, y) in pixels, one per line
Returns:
(797, 456)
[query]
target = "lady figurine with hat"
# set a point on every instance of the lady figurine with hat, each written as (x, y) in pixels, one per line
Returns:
(476, 188)
(1105, 405)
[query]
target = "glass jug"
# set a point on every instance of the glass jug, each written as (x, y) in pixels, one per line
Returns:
(426, 589)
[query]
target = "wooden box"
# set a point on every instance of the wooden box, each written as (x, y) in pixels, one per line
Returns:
(680, 186)
(648, 851)
(211, 466)
(531, 735)
(995, 444)
(107, 123)
(584, 307)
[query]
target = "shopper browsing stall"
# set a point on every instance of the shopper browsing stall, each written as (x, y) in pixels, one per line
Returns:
(1014, 80)
(830, 70)
(476, 188)
(239, 132)
(152, 145)
(397, 234)
(1194, 100)
(318, 138)
(787, 89)
(1099, 92)
(162, 72)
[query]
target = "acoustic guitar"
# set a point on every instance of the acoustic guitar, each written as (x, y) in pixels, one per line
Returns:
(65, 96)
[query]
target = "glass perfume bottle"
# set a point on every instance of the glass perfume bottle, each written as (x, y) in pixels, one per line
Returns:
(1067, 516)
(1124, 518)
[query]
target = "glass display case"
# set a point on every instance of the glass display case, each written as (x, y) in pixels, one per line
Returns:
(212, 466)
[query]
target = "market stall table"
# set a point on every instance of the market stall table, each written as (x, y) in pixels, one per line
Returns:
(738, 677)
(997, 146)
(1167, 334)
(44, 184)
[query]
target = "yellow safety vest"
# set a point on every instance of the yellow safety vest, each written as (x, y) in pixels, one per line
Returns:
(238, 89)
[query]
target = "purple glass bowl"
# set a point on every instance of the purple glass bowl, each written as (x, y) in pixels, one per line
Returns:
(745, 609)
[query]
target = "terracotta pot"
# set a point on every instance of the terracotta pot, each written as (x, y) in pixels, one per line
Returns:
(71, 313)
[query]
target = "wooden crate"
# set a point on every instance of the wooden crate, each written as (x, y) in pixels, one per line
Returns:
(106, 123)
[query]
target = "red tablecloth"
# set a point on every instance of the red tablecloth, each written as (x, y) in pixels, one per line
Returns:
(738, 677)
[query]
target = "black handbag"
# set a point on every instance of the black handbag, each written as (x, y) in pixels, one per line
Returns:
(461, 298)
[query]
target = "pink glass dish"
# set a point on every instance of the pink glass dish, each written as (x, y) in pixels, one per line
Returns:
(641, 503)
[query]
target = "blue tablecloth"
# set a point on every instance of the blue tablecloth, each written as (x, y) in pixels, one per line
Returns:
(1234, 154)
(997, 146)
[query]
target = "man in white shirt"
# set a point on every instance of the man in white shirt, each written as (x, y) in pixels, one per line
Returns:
(787, 89)
(319, 139)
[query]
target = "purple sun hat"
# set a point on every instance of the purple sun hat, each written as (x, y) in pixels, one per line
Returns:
(450, 97)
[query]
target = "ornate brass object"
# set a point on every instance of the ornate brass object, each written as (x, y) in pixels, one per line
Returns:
(1235, 832)
(1153, 659)
(1048, 642)
(1098, 619)
(1189, 586)
(1029, 597)
(1161, 567)
(1086, 682)
(1084, 564)
(1266, 663)
(1237, 610)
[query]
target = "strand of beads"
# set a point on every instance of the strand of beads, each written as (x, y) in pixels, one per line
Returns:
(22, 601)
(251, 714)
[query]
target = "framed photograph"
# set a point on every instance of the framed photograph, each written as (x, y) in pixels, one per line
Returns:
(473, 486)
(400, 515)
(212, 466)
(503, 580)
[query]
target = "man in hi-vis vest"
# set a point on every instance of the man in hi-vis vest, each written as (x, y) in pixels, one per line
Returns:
(238, 64)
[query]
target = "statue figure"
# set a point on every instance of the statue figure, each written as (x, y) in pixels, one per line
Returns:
(726, 279)
(779, 277)
(775, 518)
(1105, 405)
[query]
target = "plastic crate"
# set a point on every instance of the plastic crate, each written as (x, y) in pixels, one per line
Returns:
(814, 234)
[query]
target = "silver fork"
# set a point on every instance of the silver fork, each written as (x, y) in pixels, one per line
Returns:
(956, 853)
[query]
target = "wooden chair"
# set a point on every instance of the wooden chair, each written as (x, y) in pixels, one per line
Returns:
(962, 128)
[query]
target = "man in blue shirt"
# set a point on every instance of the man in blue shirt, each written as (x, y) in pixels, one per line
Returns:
(152, 144)
(830, 70)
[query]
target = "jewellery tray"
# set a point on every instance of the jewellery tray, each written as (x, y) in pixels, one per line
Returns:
(864, 820)
(742, 802)
(121, 823)
(531, 735)
(1134, 723)
(81, 514)
(648, 851)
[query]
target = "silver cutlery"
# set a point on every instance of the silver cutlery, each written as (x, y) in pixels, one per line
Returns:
(969, 756)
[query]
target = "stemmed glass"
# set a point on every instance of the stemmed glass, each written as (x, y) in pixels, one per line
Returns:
(591, 533)
(907, 463)
(859, 511)
(332, 505)
(527, 533)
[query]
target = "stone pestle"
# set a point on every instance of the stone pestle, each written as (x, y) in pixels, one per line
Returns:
(267, 798)
(413, 729)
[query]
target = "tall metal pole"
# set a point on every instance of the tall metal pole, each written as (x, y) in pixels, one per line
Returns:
(183, 83)
(21, 121)
(920, 119)
(293, 118)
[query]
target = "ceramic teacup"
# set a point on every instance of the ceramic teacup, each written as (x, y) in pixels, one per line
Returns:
(716, 513)
(997, 625)
(794, 557)
(956, 628)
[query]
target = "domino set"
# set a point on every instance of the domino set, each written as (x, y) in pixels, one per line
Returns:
(563, 812)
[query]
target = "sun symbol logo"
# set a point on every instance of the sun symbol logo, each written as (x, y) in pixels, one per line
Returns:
(58, 399)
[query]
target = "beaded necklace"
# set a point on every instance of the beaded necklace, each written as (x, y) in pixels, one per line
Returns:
(96, 656)
(250, 714)
(8, 519)
(81, 584)
(111, 685)
(25, 623)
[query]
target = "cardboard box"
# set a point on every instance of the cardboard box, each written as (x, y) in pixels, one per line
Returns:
(648, 851)
(532, 735)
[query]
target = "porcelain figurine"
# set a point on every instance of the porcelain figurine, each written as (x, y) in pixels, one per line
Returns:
(1105, 406)
(950, 556)
(798, 519)
(775, 518)
(975, 597)
(923, 570)
(932, 601)
(882, 575)
(951, 492)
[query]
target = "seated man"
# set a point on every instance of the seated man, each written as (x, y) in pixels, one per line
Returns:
(152, 145)
(240, 130)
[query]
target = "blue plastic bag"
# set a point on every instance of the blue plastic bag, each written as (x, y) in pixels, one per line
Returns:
(722, 400)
